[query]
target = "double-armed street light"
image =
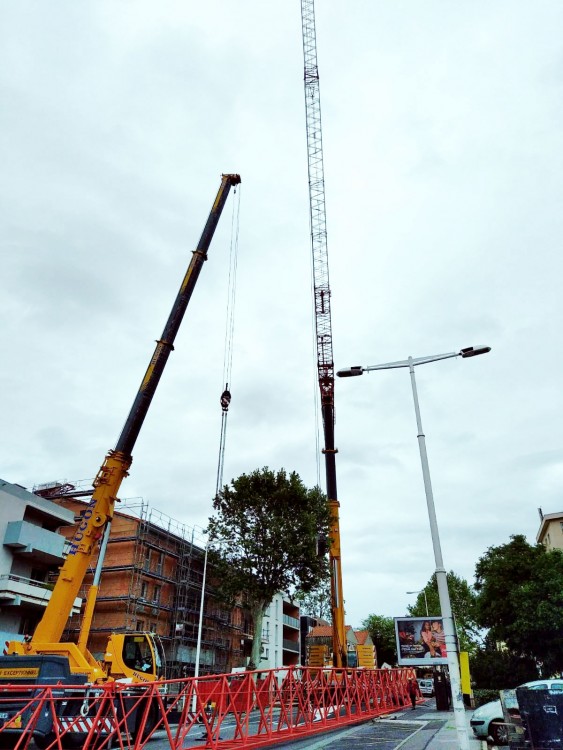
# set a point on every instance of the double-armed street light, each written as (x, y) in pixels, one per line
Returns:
(443, 593)
(411, 362)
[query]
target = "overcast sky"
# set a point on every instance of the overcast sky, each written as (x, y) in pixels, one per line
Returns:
(443, 161)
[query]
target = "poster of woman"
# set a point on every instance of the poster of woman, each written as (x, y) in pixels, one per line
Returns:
(420, 640)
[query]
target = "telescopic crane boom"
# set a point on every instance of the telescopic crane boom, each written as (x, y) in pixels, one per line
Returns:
(47, 636)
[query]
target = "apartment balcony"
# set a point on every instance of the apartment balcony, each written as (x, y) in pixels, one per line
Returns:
(292, 622)
(34, 543)
(291, 646)
(16, 591)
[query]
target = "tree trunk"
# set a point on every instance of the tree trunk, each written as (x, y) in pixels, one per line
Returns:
(257, 612)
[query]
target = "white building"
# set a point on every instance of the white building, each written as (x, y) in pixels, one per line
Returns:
(280, 634)
(31, 549)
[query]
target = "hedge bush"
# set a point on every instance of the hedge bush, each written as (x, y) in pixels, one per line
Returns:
(485, 696)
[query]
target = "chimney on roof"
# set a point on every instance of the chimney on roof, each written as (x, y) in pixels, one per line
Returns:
(540, 511)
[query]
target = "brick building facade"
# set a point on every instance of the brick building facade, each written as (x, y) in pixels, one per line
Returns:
(152, 581)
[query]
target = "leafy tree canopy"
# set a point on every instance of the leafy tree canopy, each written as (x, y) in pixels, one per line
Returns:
(498, 669)
(268, 523)
(382, 632)
(317, 602)
(463, 600)
(520, 598)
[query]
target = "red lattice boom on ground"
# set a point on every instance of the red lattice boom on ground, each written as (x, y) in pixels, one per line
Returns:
(248, 710)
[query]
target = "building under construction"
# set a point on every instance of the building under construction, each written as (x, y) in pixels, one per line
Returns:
(152, 581)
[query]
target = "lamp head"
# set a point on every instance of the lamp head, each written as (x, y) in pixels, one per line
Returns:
(474, 351)
(350, 372)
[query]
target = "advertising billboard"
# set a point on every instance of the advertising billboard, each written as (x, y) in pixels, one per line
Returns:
(420, 641)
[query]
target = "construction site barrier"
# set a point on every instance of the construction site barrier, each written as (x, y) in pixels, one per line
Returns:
(243, 710)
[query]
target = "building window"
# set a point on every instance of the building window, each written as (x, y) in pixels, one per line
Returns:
(38, 575)
(153, 627)
(561, 525)
(140, 626)
(147, 563)
(26, 627)
(160, 563)
(547, 540)
(144, 587)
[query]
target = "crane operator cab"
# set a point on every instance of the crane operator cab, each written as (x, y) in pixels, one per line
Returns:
(136, 657)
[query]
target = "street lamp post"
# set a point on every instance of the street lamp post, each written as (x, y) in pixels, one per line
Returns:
(200, 627)
(443, 593)
(201, 603)
(201, 607)
(421, 591)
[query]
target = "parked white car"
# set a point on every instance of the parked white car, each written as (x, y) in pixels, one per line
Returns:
(488, 720)
(426, 686)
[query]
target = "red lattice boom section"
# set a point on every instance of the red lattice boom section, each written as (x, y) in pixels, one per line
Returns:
(249, 710)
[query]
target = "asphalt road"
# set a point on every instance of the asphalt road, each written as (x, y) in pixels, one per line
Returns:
(383, 733)
(404, 730)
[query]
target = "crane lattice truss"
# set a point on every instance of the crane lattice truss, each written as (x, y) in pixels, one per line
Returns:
(323, 322)
(317, 204)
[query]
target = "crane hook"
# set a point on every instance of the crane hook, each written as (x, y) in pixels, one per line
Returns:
(225, 398)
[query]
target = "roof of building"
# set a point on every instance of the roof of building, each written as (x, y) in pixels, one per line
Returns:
(362, 636)
(325, 631)
(320, 631)
(46, 507)
(545, 521)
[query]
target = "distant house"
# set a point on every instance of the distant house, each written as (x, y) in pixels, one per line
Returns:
(359, 645)
(550, 533)
(364, 638)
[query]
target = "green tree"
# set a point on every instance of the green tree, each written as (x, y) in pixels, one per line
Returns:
(520, 598)
(463, 600)
(268, 523)
(498, 669)
(317, 602)
(382, 632)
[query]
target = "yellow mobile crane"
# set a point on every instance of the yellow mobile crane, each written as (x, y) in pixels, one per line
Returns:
(134, 657)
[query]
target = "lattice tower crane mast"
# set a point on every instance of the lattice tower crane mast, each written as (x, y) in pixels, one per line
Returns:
(323, 324)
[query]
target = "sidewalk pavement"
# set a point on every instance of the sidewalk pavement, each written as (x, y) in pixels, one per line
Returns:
(422, 729)
(437, 730)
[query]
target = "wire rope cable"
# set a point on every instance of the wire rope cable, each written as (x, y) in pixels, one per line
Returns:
(225, 399)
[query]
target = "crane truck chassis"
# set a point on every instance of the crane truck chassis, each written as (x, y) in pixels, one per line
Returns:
(132, 658)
